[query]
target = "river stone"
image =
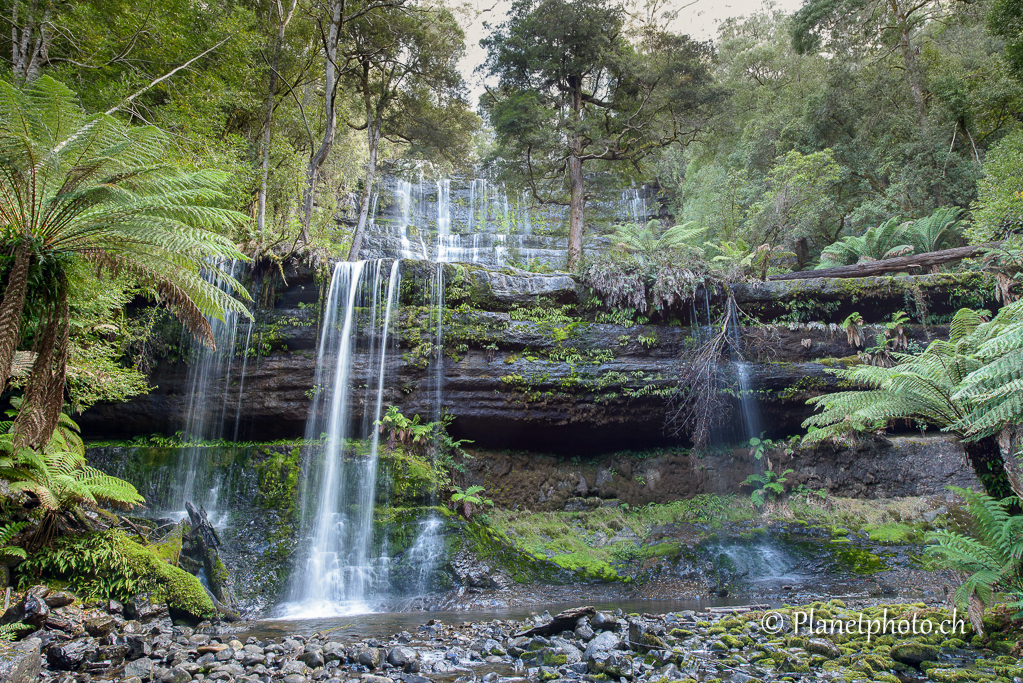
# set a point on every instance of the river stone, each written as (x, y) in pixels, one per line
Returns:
(370, 678)
(583, 631)
(142, 667)
(69, 656)
(405, 658)
(19, 663)
(207, 647)
(313, 658)
(825, 648)
(602, 621)
(605, 642)
(176, 675)
(334, 651)
(914, 653)
(224, 655)
(293, 666)
(100, 626)
(370, 657)
(59, 599)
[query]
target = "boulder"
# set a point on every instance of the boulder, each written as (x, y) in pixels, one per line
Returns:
(70, 656)
(914, 653)
(19, 663)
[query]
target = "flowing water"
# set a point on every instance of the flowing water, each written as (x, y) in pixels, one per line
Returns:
(343, 573)
(213, 405)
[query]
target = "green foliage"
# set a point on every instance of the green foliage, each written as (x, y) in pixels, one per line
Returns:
(999, 207)
(10, 632)
(95, 189)
(992, 554)
(59, 477)
(469, 501)
(110, 565)
(7, 532)
(647, 243)
(766, 486)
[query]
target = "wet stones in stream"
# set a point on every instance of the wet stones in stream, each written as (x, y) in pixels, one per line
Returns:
(720, 645)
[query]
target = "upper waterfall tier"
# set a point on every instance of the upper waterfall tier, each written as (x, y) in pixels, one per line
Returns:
(478, 221)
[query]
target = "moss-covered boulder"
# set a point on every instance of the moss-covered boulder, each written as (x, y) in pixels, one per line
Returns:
(914, 653)
(185, 597)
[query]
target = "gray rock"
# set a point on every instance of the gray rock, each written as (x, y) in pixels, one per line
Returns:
(19, 663)
(294, 678)
(176, 675)
(70, 656)
(405, 658)
(370, 678)
(313, 658)
(142, 667)
(293, 666)
(602, 621)
(601, 644)
(370, 657)
(100, 626)
(583, 630)
(825, 648)
(59, 599)
(334, 652)
(224, 655)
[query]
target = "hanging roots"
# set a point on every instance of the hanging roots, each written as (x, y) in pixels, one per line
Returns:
(701, 400)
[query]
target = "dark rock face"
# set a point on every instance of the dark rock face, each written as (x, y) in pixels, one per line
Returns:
(873, 468)
(579, 387)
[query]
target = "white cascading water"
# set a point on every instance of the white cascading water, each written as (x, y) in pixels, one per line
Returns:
(342, 575)
(209, 404)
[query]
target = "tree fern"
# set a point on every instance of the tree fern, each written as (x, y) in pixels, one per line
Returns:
(936, 231)
(993, 555)
(75, 186)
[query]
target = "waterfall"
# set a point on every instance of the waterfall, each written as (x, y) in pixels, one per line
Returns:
(210, 395)
(341, 575)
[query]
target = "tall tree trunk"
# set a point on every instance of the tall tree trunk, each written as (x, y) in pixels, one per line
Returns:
(30, 41)
(373, 133)
(330, 117)
(575, 179)
(909, 61)
(283, 21)
(12, 308)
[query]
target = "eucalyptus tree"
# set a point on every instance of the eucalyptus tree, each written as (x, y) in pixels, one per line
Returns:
(574, 87)
(332, 18)
(78, 187)
(404, 69)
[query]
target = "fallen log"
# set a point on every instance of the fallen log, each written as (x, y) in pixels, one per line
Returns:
(563, 621)
(890, 265)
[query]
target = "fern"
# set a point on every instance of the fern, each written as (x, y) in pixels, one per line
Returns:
(993, 556)
(91, 187)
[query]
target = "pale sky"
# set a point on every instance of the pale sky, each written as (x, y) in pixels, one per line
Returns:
(698, 19)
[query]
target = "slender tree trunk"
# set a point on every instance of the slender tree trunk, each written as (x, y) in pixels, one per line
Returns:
(284, 20)
(373, 133)
(30, 42)
(44, 391)
(909, 61)
(575, 179)
(12, 308)
(330, 117)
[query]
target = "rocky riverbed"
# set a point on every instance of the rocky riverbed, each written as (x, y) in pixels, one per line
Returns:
(737, 644)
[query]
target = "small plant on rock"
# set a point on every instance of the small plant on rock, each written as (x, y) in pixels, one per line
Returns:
(766, 486)
(470, 501)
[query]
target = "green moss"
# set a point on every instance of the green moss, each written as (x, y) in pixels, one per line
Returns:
(586, 566)
(169, 549)
(893, 533)
(179, 589)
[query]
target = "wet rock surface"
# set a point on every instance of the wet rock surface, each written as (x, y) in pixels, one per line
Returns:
(738, 644)
(567, 387)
